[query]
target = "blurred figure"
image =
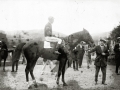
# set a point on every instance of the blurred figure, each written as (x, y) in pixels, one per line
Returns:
(75, 60)
(117, 55)
(80, 53)
(88, 57)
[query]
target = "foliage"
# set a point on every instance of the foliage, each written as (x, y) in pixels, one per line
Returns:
(115, 33)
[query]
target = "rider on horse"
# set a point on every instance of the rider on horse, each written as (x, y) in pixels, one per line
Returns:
(48, 34)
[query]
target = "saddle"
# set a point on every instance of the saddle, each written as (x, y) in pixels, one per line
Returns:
(51, 42)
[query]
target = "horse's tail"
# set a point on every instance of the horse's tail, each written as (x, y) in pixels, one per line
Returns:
(16, 54)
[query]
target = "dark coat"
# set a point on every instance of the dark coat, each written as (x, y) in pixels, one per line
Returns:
(62, 54)
(74, 54)
(79, 52)
(117, 53)
(48, 30)
(100, 59)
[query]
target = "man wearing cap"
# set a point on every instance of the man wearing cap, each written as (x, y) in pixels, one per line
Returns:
(100, 61)
(117, 55)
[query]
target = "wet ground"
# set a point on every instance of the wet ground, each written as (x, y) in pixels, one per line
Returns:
(76, 80)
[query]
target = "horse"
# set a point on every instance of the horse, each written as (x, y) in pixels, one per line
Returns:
(34, 50)
(3, 53)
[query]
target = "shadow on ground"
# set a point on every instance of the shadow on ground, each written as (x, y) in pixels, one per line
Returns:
(72, 85)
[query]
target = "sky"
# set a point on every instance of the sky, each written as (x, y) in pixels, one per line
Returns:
(71, 16)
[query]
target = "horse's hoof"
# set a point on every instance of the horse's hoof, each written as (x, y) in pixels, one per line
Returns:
(35, 85)
(65, 84)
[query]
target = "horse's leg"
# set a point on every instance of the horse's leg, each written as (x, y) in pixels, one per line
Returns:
(27, 70)
(59, 71)
(45, 63)
(33, 78)
(50, 65)
(63, 72)
(31, 73)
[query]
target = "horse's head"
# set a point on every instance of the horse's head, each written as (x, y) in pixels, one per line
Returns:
(87, 37)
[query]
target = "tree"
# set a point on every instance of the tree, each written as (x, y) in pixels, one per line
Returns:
(115, 33)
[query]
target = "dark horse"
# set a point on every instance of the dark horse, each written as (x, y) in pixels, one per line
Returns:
(3, 53)
(34, 50)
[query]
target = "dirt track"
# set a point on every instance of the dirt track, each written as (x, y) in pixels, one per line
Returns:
(76, 80)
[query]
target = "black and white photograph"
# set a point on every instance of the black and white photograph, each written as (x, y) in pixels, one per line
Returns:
(59, 44)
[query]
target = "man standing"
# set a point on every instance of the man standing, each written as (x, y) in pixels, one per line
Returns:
(80, 53)
(100, 61)
(88, 56)
(75, 61)
(117, 55)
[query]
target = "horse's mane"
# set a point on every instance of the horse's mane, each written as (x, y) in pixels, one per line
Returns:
(75, 35)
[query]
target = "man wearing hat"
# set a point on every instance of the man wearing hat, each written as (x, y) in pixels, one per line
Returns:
(117, 55)
(100, 61)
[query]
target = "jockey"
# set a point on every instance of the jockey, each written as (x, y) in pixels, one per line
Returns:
(48, 33)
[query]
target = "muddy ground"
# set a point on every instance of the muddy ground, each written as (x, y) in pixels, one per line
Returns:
(76, 80)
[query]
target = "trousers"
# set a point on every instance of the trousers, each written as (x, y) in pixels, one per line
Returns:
(103, 69)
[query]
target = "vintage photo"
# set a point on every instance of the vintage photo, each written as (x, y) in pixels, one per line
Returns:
(59, 44)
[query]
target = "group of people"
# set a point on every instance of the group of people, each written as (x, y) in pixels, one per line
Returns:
(101, 50)
(78, 52)
(102, 53)
(100, 61)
